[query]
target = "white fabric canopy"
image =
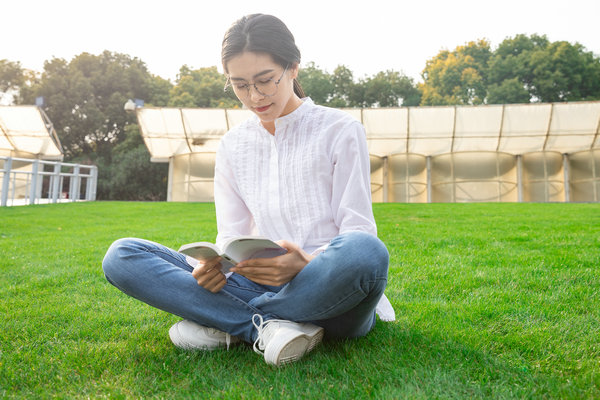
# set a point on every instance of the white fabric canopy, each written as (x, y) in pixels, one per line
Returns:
(513, 152)
(26, 131)
(514, 129)
(173, 131)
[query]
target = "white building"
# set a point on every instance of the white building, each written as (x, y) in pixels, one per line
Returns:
(514, 152)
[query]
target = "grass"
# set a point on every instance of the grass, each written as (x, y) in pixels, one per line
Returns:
(492, 301)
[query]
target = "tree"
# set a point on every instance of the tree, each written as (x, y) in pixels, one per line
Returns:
(85, 97)
(201, 88)
(130, 175)
(457, 77)
(344, 87)
(11, 78)
(159, 91)
(564, 72)
(531, 68)
(510, 78)
(316, 83)
(509, 91)
(384, 89)
(389, 89)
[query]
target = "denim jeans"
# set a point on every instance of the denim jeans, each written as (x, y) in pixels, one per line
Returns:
(338, 290)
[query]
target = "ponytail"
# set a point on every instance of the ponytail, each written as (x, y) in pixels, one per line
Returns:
(298, 89)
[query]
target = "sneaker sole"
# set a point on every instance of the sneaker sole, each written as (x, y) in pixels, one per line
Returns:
(288, 351)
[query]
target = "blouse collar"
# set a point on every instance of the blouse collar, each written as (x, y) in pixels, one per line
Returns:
(302, 109)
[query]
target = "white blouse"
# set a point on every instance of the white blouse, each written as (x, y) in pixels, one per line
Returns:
(306, 184)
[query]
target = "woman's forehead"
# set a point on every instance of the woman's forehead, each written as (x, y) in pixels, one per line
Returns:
(248, 64)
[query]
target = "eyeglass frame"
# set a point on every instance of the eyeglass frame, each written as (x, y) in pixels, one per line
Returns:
(228, 84)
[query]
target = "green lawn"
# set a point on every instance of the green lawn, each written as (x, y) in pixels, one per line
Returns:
(492, 301)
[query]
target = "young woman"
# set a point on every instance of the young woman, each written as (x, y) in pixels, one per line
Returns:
(295, 172)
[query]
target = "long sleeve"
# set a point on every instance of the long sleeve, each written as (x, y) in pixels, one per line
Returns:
(351, 186)
(233, 217)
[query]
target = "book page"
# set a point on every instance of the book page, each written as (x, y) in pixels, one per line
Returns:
(204, 251)
(245, 248)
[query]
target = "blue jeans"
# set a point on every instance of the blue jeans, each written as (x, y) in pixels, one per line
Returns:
(338, 290)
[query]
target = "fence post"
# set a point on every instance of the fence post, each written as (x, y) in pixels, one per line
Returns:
(56, 183)
(90, 190)
(6, 181)
(34, 179)
(74, 184)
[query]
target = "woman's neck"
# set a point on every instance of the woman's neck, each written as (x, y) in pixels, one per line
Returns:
(290, 107)
(269, 126)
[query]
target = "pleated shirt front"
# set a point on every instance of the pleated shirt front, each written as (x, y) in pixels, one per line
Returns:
(307, 183)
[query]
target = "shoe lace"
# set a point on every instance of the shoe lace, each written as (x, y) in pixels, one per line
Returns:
(227, 340)
(217, 332)
(260, 328)
(259, 342)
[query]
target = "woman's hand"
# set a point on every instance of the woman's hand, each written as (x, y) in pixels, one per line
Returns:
(275, 271)
(209, 275)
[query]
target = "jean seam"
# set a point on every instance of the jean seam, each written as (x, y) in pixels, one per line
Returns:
(242, 302)
(236, 286)
(170, 255)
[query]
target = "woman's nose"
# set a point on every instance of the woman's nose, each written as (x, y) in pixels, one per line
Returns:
(255, 94)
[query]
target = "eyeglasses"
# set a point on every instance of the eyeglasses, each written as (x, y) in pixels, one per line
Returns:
(267, 87)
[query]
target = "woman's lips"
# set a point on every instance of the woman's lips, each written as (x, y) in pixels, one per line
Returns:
(263, 108)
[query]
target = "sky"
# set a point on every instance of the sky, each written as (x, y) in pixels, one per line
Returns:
(365, 36)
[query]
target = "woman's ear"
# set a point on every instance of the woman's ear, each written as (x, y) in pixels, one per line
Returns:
(294, 68)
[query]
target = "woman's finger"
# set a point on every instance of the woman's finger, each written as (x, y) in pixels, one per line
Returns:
(207, 266)
(216, 283)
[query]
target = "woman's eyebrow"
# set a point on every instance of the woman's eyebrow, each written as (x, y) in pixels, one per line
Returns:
(266, 71)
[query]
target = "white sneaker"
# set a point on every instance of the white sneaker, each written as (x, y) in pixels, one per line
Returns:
(284, 342)
(189, 335)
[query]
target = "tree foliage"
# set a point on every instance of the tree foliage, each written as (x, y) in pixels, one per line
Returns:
(344, 87)
(84, 98)
(316, 83)
(201, 88)
(457, 77)
(522, 69)
(389, 89)
(129, 175)
(385, 89)
(11, 77)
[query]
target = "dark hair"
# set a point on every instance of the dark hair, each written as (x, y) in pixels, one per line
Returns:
(261, 33)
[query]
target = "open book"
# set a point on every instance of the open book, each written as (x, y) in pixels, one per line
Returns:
(234, 250)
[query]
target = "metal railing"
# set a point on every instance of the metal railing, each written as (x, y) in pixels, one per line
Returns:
(32, 181)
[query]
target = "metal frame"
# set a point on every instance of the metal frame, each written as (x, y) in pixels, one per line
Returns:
(34, 181)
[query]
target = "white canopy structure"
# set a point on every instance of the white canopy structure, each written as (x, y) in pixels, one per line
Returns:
(25, 131)
(516, 152)
(31, 167)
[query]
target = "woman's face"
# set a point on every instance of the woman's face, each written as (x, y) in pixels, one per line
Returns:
(250, 68)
